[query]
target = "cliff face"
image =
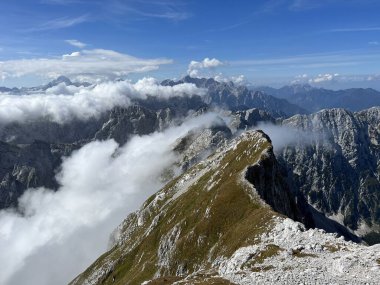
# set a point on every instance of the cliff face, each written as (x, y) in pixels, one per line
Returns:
(267, 177)
(338, 167)
(30, 166)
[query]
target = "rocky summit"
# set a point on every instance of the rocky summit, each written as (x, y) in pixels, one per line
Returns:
(226, 221)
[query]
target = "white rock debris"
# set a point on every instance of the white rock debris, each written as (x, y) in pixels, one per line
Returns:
(303, 257)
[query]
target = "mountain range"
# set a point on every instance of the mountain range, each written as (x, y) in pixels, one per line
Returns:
(246, 206)
(314, 99)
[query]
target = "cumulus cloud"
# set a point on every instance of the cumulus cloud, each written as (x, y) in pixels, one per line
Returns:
(324, 77)
(61, 232)
(76, 43)
(238, 80)
(61, 103)
(98, 62)
(196, 66)
(320, 78)
(302, 78)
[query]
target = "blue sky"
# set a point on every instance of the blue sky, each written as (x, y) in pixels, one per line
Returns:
(330, 42)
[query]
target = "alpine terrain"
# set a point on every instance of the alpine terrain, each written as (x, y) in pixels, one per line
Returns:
(229, 219)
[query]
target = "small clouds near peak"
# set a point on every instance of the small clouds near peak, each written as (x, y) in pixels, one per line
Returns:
(237, 80)
(324, 77)
(320, 78)
(206, 64)
(338, 81)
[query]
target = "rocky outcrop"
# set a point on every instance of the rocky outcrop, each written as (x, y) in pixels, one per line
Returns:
(198, 144)
(246, 119)
(337, 167)
(125, 122)
(267, 178)
(29, 166)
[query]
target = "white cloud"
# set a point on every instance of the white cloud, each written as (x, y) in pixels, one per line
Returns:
(92, 63)
(320, 78)
(374, 43)
(59, 23)
(375, 77)
(62, 103)
(324, 77)
(310, 61)
(62, 232)
(355, 29)
(76, 43)
(300, 79)
(238, 80)
(196, 66)
(163, 9)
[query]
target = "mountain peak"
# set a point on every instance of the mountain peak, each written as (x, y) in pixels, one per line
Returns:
(299, 87)
(217, 223)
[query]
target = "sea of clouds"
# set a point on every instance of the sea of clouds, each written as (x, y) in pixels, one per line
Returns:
(62, 102)
(60, 233)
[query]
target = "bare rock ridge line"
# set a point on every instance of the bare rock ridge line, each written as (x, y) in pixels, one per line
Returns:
(213, 224)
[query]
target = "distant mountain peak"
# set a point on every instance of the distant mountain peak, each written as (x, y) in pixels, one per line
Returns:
(59, 80)
(300, 87)
(66, 81)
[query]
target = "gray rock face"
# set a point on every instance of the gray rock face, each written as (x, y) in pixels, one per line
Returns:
(338, 169)
(51, 132)
(143, 117)
(242, 120)
(124, 122)
(197, 144)
(30, 166)
(268, 179)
